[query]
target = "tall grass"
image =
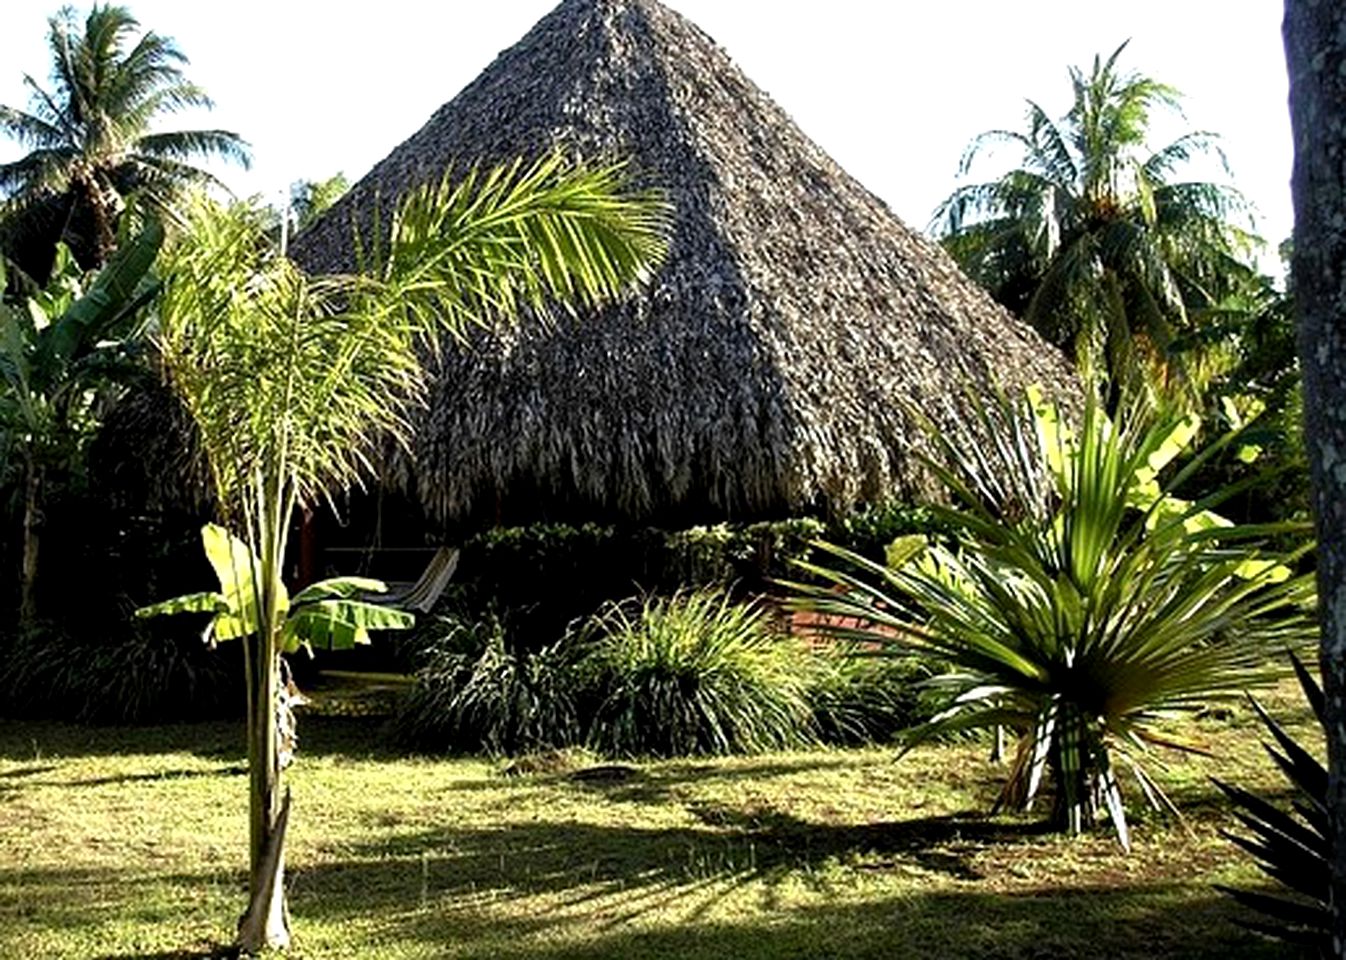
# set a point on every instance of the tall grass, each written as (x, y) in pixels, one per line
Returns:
(478, 691)
(693, 673)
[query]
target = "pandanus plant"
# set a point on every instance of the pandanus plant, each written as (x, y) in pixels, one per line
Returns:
(1294, 846)
(1078, 601)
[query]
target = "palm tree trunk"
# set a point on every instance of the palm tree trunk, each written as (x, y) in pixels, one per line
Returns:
(1315, 50)
(267, 920)
(104, 205)
(32, 499)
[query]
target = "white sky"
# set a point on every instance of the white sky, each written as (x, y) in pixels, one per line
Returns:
(892, 90)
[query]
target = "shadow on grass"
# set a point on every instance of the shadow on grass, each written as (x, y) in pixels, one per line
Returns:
(205, 953)
(1136, 924)
(152, 777)
(36, 742)
(31, 770)
(682, 919)
(599, 860)
(576, 891)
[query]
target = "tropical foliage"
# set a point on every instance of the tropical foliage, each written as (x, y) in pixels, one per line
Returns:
(1293, 847)
(64, 352)
(693, 673)
(861, 696)
(293, 381)
(114, 672)
(1095, 239)
(310, 199)
(1079, 601)
(478, 689)
(92, 139)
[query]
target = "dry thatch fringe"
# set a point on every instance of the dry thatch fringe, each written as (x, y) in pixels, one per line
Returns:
(767, 365)
(147, 454)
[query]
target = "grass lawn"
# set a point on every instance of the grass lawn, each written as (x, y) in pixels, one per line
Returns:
(131, 843)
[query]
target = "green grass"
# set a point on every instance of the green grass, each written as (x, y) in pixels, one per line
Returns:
(131, 843)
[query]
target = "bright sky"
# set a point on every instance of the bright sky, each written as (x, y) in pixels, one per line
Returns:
(892, 89)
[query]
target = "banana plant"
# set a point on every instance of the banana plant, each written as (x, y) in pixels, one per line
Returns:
(62, 349)
(328, 614)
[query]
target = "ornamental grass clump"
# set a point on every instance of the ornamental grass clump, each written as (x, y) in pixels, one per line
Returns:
(1078, 600)
(478, 691)
(693, 673)
(862, 697)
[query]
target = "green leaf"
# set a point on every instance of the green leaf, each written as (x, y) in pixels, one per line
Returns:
(339, 624)
(1179, 438)
(114, 288)
(206, 602)
(338, 587)
(901, 551)
(238, 569)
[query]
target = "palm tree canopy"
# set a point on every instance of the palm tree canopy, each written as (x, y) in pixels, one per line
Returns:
(91, 137)
(305, 375)
(1092, 238)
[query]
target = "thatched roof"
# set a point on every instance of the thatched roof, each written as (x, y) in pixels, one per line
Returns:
(147, 456)
(764, 369)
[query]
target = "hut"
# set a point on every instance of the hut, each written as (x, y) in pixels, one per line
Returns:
(770, 367)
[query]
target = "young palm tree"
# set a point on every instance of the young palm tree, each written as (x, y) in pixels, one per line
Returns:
(293, 382)
(1091, 238)
(90, 136)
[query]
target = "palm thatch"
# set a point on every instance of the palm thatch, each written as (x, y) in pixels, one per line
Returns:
(770, 366)
(147, 455)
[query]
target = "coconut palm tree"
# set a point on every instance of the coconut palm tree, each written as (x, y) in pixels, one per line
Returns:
(1092, 238)
(91, 139)
(293, 381)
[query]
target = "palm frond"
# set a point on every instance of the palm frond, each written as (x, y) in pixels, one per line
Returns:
(183, 145)
(1044, 237)
(494, 242)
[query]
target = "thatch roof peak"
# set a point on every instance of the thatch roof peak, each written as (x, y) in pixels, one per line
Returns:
(767, 366)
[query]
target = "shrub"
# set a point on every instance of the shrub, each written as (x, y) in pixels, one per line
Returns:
(476, 691)
(1077, 600)
(693, 673)
(134, 674)
(868, 530)
(859, 697)
(747, 555)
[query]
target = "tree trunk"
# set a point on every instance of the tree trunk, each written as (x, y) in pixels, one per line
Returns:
(1315, 49)
(105, 206)
(32, 520)
(267, 920)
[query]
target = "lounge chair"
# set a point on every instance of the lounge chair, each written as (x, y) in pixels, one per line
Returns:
(421, 595)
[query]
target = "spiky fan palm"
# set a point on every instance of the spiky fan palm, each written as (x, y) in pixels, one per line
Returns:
(1092, 238)
(1079, 601)
(293, 381)
(91, 134)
